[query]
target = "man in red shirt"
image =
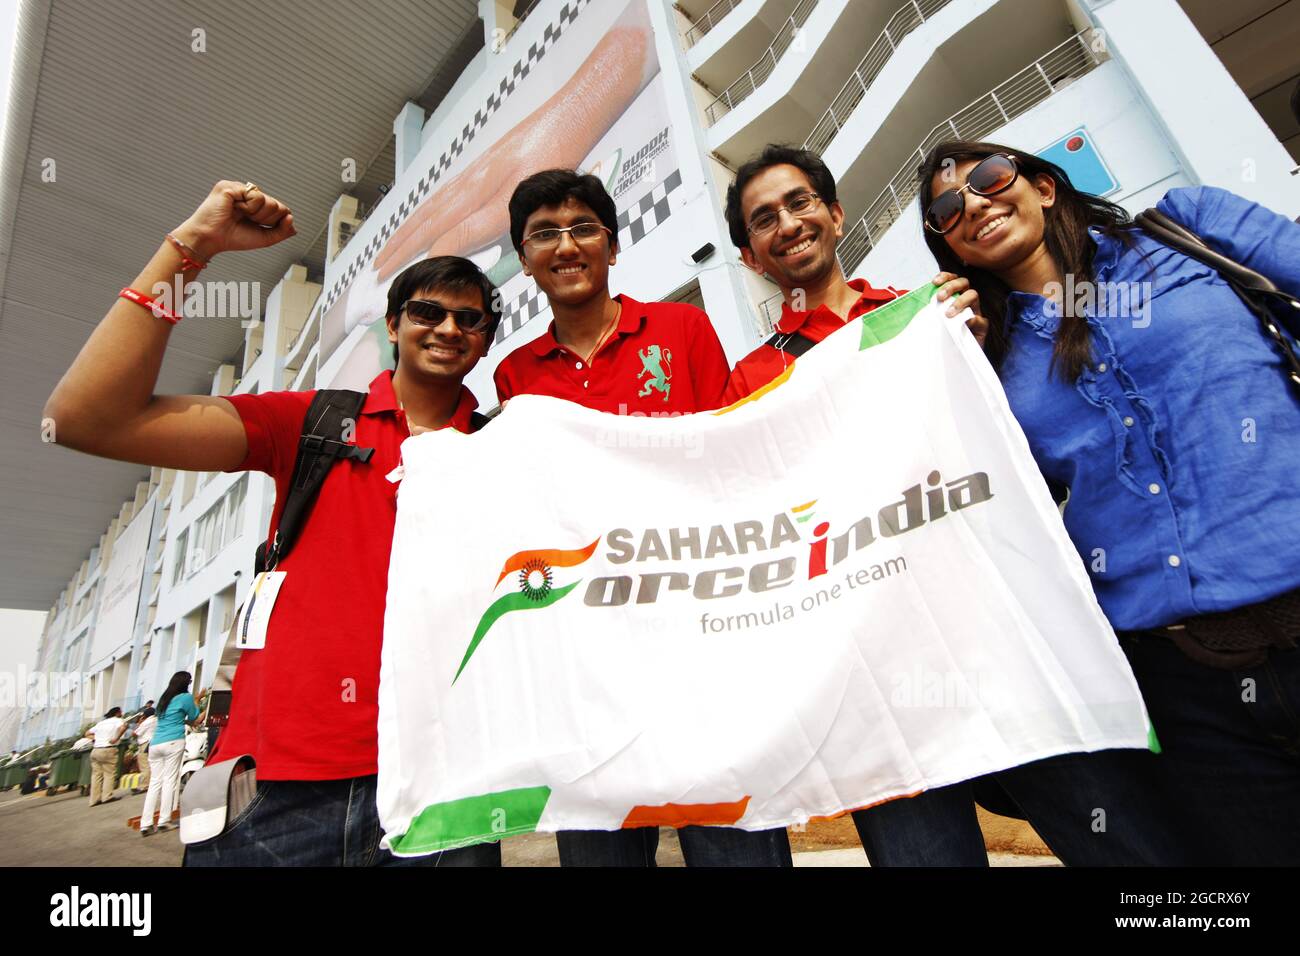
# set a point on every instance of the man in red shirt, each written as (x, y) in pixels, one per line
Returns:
(611, 354)
(784, 217)
(615, 354)
(306, 704)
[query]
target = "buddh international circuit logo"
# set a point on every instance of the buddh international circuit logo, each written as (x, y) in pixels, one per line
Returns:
(536, 588)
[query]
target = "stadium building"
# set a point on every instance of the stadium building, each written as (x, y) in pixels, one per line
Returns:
(398, 129)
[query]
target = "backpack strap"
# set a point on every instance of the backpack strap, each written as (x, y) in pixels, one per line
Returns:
(319, 447)
(793, 344)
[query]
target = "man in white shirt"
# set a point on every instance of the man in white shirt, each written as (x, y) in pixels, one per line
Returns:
(143, 733)
(103, 756)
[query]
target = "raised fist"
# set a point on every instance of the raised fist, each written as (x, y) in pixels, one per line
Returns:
(233, 218)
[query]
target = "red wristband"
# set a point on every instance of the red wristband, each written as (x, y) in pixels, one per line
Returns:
(145, 302)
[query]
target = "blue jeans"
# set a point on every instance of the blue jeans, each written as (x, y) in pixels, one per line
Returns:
(701, 846)
(1231, 750)
(1107, 808)
(317, 823)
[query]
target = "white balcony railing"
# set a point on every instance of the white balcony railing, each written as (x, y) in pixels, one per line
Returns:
(753, 78)
(708, 20)
(906, 19)
(1026, 89)
(769, 313)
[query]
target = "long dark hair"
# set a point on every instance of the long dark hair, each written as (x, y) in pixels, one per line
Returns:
(1065, 231)
(179, 684)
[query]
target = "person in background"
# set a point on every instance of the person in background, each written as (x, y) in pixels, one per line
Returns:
(1140, 377)
(143, 732)
(103, 756)
(176, 708)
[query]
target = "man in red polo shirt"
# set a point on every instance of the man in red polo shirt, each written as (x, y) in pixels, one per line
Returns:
(611, 354)
(784, 217)
(306, 704)
(615, 354)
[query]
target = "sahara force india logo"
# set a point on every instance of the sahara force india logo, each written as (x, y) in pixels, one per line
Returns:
(920, 505)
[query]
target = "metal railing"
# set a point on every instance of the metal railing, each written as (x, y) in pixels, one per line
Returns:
(906, 19)
(708, 20)
(519, 21)
(753, 78)
(1026, 89)
(769, 313)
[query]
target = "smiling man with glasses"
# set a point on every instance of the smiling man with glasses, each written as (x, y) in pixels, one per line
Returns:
(784, 217)
(615, 354)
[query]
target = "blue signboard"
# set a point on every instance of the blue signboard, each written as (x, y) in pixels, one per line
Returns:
(1077, 154)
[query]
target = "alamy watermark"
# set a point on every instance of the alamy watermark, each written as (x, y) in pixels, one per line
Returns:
(32, 690)
(211, 300)
(1103, 300)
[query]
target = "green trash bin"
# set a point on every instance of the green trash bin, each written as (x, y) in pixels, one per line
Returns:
(83, 779)
(65, 768)
(12, 775)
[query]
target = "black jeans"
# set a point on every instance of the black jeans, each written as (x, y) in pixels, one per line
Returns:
(318, 823)
(1231, 750)
(701, 846)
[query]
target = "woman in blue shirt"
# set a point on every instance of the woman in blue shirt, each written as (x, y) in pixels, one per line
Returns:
(1150, 396)
(176, 707)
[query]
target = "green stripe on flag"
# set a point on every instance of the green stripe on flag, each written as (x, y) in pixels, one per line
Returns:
(470, 820)
(515, 601)
(882, 324)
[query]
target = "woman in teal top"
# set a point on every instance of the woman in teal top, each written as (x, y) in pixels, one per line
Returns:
(176, 707)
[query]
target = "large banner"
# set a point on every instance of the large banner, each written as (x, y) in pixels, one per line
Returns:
(587, 95)
(851, 587)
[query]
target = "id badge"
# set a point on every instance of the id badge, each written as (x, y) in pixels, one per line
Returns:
(255, 615)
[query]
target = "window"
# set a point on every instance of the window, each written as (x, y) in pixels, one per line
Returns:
(235, 509)
(178, 556)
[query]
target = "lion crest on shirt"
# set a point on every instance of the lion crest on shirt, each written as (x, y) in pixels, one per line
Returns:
(658, 364)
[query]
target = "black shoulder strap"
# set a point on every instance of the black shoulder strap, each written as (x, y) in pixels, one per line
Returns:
(477, 420)
(791, 343)
(1256, 292)
(332, 410)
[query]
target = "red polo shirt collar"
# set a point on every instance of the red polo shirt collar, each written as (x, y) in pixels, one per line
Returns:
(630, 321)
(868, 298)
(382, 398)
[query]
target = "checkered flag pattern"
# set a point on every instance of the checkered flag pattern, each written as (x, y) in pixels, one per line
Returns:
(520, 310)
(647, 213)
(552, 32)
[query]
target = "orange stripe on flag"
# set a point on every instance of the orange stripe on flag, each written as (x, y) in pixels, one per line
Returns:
(687, 814)
(759, 393)
(836, 816)
(804, 507)
(556, 559)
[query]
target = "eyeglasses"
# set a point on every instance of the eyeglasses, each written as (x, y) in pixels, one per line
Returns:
(800, 207)
(988, 178)
(581, 232)
(432, 314)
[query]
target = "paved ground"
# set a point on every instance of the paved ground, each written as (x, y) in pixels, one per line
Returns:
(62, 830)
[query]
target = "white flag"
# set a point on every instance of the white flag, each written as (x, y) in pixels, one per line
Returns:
(850, 587)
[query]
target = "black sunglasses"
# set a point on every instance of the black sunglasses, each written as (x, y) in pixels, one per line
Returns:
(432, 314)
(988, 178)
